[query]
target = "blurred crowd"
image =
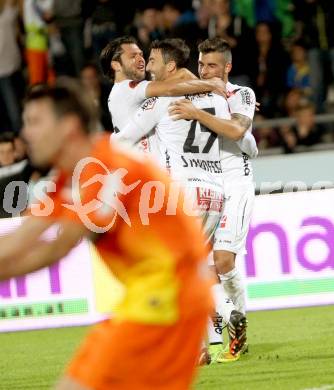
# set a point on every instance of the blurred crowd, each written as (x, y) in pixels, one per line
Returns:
(283, 49)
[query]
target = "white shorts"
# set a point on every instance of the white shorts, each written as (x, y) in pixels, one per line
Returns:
(232, 231)
(206, 204)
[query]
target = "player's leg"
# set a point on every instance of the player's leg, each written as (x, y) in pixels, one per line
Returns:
(230, 278)
(230, 238)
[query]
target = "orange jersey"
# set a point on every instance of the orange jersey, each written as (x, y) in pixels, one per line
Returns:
(142, 233)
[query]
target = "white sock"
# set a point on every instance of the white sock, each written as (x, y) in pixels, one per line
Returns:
(234, 288)
(215, 330)
(223, 304)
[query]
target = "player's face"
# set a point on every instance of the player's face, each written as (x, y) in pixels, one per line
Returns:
(156, 66)
(42, 131)
(211, 65)
(7, 153)
(132, 62)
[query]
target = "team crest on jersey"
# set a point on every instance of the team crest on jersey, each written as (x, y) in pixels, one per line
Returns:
(149, 103)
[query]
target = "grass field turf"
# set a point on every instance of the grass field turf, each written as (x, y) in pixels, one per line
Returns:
(289, 350)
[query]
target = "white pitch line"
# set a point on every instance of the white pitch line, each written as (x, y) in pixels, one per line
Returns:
(325, 387)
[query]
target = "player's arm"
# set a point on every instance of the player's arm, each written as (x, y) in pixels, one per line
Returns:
(242, 105)
(230, 128)
(180, 87)
(24, 250)
(145, 119)
(247, 144)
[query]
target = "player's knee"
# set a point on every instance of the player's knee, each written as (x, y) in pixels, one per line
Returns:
(224, 261)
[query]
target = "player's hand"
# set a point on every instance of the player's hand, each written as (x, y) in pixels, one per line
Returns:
(182, 109)
(220, 86)
(257, 106)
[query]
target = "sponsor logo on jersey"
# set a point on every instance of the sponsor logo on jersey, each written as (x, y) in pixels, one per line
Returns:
(209, 199)
(195, 96)
(246, 97)
(149, 103)
(246, 164)
(206, 165)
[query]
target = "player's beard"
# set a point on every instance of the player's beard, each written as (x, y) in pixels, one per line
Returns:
(133, 74)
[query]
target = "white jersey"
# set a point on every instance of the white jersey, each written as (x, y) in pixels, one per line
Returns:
(187, 150)
(236, 164)
(125, 98)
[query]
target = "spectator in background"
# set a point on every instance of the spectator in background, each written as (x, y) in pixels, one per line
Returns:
(240, 37)
(20, 148)
(36, 15)
(291, 101)
(298, 75)
(305, 131)
(180, 22)
(10, 62)
(269, 11)
(69, 21)
(103, 25)
(90, 78)
(266, 137)
(149, 27)
(269, 68)
(7, 149)
(314, 20)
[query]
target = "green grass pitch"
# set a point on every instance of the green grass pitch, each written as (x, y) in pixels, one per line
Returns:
(289, 350)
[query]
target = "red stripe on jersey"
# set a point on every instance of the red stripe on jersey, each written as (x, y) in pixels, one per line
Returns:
(133, 83)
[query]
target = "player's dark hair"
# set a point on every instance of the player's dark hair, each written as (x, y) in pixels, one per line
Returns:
(216, 44)
(113, 52)
(7, 136)
(174, 49)
(67, 98)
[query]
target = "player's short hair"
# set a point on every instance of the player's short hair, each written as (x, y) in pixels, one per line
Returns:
(216, 44)
(7, 136)
(113, 52)
(174, 49)
(67, 98)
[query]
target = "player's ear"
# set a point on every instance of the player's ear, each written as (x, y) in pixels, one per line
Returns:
(171, 66)
(115, 66)
(228, 67)
(70, 124)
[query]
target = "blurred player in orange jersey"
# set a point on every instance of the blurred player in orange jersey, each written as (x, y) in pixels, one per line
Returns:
(124, 205)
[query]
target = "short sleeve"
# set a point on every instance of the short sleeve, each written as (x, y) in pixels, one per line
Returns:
(242, 101)
(139, 89)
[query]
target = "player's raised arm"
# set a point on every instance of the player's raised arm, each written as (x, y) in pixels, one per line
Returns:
(184, 109)
(184, 87)
(24, 251)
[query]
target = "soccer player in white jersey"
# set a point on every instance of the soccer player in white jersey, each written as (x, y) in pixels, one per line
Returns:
(215, 60)
(123, 63)
(188, 151)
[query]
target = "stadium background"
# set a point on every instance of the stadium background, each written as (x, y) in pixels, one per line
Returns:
(284, 50)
